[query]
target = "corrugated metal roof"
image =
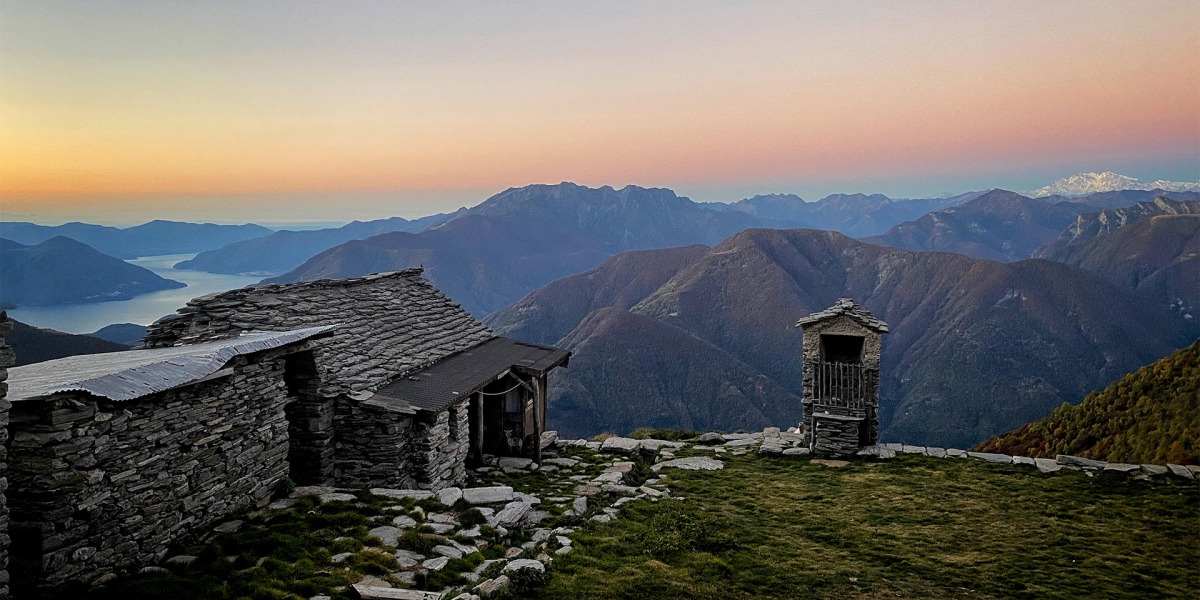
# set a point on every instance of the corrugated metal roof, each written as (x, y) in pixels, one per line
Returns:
(438, 386)
(847, 307)
(135, 373)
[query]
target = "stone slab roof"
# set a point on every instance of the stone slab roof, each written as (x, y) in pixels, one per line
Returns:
(122, 376)
(467, 372)
(389, 324)
(846, 307)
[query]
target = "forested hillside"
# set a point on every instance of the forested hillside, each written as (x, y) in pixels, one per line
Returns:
(1149, 416)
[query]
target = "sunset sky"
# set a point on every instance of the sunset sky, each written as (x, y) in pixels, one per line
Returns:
(328, 111)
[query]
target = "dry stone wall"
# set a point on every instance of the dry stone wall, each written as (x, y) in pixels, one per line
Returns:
(7, 359)
(440, 451)
(388, 324)
(100, 485)
(373, 448)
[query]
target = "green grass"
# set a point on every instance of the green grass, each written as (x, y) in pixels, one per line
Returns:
(910, 527)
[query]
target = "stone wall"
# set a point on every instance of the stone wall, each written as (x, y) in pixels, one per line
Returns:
(373, 448)
(440, 448)
(388, 324)
(7, 358)
(842, 325)
(872, 344)
(310, 422)
(101, 485)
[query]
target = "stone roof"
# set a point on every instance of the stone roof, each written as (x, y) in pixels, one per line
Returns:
(389, 324)
(133, 374)
(467, 372)
(846, 307)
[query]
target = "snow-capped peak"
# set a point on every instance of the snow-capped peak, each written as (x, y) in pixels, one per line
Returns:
(1090, 183)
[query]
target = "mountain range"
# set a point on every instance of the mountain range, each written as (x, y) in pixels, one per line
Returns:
(1107, 181)
(855, 215)
(148, 239)
(61, 270)
(999, 225)
(977, 347)
(283, 251)
(526, 237)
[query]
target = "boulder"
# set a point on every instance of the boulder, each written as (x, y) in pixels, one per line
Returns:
(448, 496)
(1155, 470)
(1180, 471)
(1047, 465)
(711, 437)
(1023, 460)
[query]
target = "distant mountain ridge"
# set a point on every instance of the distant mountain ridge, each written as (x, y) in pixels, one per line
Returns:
(283, 251)
(1089, 226)
(61, 270)
(526, 237)
(148, 239)
(1084, 184)
(999, 225)
(976, 346)
(855, 215)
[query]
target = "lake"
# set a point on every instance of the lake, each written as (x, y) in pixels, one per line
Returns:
(143, 310)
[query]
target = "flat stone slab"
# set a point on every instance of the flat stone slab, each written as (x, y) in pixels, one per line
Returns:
(512, 513)
(711, 437)
(402, 494)
(228, 526)
(691, 463)
(448, 551)
(1023, 460)
(404, 521)
(653, 444)
(488, 495)
(370, 592)
(837, 464)
(620, 445)
(936, 452)
(1079, 461)
(492, 586)
(561, 462)
(797, 452)
(1121, 468)
(1180, 471)
(387, 534)
(1047, 465)
(436, 564)
(338, 497)
(906, 449)
(750, 441)
(999, 459)
(514, 462)
(524, 563)
(1155, 470)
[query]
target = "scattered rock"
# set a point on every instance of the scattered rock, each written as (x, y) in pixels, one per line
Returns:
(1180, 471)
(580, 504)
(620, 445)
(1079, 461)
(182, 559)
(488, 495)
(524, 563)
(229, 526)
(512, 513)
(404, 521)
(936, 452)
(1023, 460)
(796, 452)
(741, 442)
(401, 494)
(1122, 468)
(711, 437)
(338, 497)
(1047, 465)
(514, 462)
(691, 463)
(492, 586)
(448, 551)
(436, 564)
(1000, 459)
(561, 462)
(340, 557)
(1155, 470)
(448, 496)
(153, 570)
(282, 504)
(386, 533)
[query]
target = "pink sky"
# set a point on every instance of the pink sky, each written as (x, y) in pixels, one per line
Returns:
(320, 111)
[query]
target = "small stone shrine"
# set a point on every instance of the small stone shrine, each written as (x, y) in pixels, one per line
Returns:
(841, 378)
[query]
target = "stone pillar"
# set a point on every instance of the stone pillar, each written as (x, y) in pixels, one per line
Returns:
(7, 358)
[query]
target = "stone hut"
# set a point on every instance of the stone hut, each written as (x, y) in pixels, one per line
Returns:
(841, 378)
(419, 387)
(114, 456)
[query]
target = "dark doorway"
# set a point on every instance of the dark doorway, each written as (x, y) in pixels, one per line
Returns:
(310, 422)
(842, 348)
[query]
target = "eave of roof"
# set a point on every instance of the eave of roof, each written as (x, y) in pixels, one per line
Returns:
(437, 386)
(846, 307)
(132, 374)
